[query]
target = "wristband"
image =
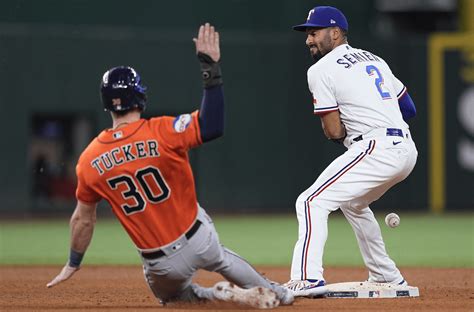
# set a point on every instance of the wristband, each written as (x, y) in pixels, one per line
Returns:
(210, 70)
(75, 258)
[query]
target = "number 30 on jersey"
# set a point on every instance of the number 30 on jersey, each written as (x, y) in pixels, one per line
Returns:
(149, 179)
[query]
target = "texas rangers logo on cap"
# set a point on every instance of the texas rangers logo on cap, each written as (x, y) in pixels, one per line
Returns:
(322, 17)
(309, 14)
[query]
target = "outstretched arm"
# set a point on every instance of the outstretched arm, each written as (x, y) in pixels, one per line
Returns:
(82, 227)
(211, 114)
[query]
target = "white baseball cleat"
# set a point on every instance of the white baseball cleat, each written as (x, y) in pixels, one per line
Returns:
(402, 283)
(256, 297)
(305, 288)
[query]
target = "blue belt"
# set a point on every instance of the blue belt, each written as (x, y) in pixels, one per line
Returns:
(390, 132)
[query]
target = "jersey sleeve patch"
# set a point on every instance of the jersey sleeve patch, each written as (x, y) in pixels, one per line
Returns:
(181, 122)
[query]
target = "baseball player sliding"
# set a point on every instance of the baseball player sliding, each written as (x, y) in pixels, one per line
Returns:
(141, 167)
(363, 106)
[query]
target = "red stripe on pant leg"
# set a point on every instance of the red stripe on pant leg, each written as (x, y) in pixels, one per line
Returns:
(312, 197)
(309, 239)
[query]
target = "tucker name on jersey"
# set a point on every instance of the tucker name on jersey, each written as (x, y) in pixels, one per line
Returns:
(124, 154)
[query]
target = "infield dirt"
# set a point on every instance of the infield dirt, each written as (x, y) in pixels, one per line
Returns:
(122, 288)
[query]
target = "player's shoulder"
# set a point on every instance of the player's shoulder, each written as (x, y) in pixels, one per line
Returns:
(160, 123)
(328, 63)
(177, 123)
(157, 120)
(318, 69)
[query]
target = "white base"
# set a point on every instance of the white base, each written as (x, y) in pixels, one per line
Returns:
(370, 290)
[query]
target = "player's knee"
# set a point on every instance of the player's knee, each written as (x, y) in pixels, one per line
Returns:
(300, 203)
(304, 202)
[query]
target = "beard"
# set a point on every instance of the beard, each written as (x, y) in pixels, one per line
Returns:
(317, 56)
(315, 52)
(323, 48)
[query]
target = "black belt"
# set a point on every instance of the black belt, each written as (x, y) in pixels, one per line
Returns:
(390, 132)
(160, 253)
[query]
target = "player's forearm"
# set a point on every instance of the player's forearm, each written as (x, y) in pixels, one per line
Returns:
(332, 126)
(81, 232)
(334, 133)
(211, 114)
(82, 227)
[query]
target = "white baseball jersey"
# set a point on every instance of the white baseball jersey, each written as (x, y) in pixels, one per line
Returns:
(361, 86)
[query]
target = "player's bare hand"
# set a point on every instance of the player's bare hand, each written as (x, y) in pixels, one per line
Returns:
(207, 42)
(65, 274)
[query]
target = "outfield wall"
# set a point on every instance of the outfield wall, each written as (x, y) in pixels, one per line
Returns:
(52, 59)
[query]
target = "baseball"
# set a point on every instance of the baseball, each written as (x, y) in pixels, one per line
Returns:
(392, 220)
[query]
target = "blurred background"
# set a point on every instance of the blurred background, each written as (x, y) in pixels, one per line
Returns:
(53, 54)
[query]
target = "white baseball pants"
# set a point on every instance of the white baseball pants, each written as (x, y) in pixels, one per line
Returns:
(170, 276)
(351, 182)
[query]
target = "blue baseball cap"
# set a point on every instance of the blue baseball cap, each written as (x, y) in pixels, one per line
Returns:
(322, 17)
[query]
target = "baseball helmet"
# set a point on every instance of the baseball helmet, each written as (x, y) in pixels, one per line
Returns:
(122, 90)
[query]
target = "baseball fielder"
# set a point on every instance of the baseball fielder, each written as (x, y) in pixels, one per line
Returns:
(363, 106)
(141, 167)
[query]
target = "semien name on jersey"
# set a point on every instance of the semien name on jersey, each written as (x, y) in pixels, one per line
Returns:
(350, 59)
(125, 153)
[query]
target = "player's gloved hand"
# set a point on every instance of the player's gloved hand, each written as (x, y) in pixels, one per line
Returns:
(65, 274)
(208, 53)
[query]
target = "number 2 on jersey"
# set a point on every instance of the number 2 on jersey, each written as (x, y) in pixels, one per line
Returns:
(134, 193)
(371, 69)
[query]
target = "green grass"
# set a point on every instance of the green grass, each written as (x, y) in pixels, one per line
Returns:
(421, 240)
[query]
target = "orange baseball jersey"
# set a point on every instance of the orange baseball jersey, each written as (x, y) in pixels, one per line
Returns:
(143, 171)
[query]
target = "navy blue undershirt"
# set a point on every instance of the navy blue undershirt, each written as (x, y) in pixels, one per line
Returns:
(407, 107)
(211, 114)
